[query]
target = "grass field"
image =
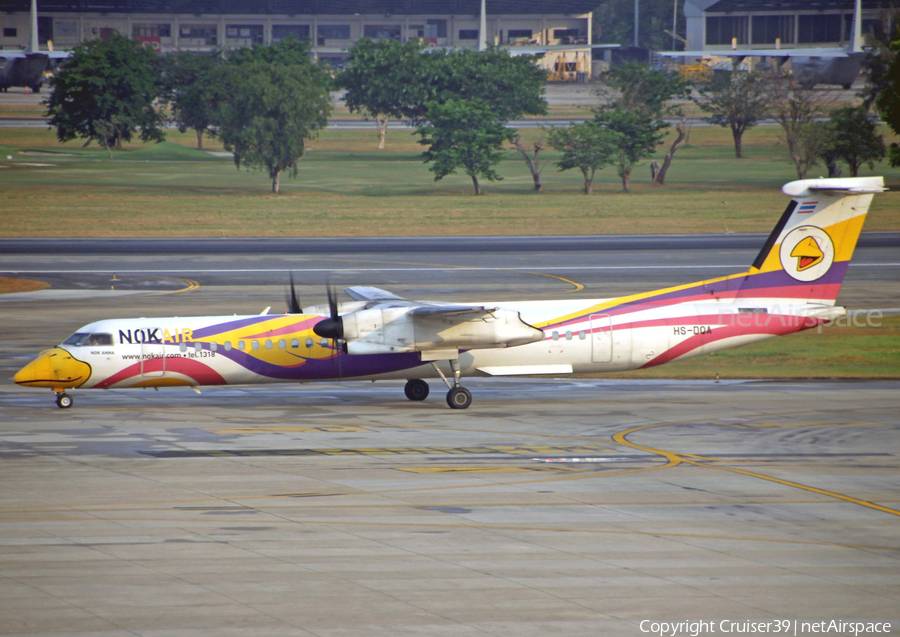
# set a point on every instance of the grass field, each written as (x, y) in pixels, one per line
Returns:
(345, 187)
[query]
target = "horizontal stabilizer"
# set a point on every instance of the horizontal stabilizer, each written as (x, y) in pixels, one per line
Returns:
(847, 185)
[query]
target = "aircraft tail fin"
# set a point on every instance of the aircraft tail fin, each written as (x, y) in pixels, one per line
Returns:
(806, 256)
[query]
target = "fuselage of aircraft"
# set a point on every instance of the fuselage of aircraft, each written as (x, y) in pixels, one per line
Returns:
(791, 286)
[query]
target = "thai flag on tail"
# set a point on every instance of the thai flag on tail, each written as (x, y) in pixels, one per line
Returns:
(808, 206)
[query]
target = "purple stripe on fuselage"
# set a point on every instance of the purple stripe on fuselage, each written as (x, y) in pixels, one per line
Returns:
(774, 279)
(212, 330)
(740, 286)
(341, 366)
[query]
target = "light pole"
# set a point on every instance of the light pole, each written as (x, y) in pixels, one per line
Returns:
(635, 23)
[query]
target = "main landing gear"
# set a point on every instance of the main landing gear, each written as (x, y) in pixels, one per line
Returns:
(458, 397)
(63, 400)
(416, 389)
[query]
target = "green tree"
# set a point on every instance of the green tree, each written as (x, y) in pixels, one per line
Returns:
(880, 54)
(587, 147)
(813, 142)
(641, 96)
(382, 79)
(190, 85)
(639, 133)
(105, 92)
(737, 101)
(796, 108)
(638, 86)
(888, 101)
(290, 51)
(275, 103)
(512, 86)
(855, 138)
(464, 133)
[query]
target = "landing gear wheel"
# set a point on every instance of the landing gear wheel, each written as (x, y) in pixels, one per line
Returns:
(459, 398)
(416, 389)
(64, 401)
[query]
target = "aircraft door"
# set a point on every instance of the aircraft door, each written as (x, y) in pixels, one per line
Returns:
(153, 356)
(601, 338)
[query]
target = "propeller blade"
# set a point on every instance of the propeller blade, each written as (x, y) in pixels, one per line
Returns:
(332, 300)
(333, 326)
(293, 302)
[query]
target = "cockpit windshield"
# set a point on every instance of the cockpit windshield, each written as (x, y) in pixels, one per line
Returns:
(79, 339)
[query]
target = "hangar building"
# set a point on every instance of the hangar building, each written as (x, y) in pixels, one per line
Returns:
(560, 29)
(713, 25)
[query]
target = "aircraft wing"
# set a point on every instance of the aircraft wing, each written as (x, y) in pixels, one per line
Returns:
(460, 312)
(390, 324)
(365, 293)
(773, 53)
(378, 298)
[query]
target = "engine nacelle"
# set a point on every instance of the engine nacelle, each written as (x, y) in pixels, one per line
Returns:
(401, 329)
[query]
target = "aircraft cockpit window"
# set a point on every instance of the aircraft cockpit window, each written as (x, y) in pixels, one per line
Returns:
(87, 339)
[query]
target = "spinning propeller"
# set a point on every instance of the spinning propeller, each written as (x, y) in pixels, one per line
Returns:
(333, 326)
(293, 302)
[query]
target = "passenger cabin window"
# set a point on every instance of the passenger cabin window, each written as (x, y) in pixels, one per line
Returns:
(87, 339)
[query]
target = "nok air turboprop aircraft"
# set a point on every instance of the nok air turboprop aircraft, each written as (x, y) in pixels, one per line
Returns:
(792, 286)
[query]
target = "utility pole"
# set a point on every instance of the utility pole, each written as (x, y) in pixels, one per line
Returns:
(482, 27)
(33, 40)
(674, 23)
(635, 23)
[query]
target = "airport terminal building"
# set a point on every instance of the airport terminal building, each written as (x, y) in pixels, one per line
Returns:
(560, 29)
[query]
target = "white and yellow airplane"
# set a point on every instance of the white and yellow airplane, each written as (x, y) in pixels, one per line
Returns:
(792, 286)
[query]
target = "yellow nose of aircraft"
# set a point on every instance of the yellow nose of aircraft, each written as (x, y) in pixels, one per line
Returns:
(54, 368)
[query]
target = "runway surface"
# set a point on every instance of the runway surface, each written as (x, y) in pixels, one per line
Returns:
(551, 506)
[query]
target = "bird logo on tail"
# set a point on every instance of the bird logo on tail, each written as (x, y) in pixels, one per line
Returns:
(807, 253)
